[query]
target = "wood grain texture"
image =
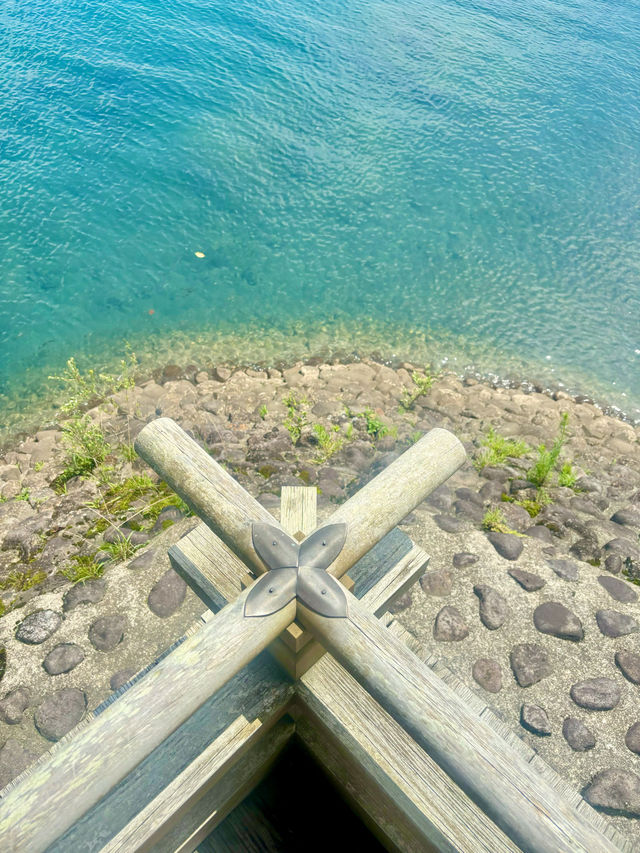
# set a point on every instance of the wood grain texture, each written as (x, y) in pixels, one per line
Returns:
(62, 789)
(298, 506)
(395, 581)
(523, 804)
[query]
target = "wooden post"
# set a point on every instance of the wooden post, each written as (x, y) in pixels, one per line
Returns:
(508, 789)
(229, 510)
(62, 789)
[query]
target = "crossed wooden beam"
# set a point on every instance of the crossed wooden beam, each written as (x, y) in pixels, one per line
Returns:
(512, 793)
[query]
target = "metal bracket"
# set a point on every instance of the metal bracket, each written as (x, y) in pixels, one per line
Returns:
(297, 571)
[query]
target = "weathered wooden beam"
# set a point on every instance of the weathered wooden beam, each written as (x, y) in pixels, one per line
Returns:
(524, 805)
(62, 789)
(229, 510)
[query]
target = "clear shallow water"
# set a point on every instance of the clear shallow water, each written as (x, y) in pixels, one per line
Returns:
(463, 174)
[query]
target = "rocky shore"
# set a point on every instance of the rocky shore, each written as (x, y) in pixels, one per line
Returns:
(531, 594)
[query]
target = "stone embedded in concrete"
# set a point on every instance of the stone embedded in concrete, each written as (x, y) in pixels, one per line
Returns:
(530, 663)
(440, 498)
(14, 758)
(167, 594)
(612, 623)
(535, 719)
(487, 673)
(615, 789)
(401, 603)
(565, 569)
(449, 626)
(38, 627)
(464, 559)
(613, 564)
(587, 551)
(577, 735)
(629, 665)
(508, 545)
(449, 523)
(596, 694)
(88, 592)
(628, 516)
(493, 606)
(618, 589)
(121, 677)
(554, 618)
(14, 704)
(63, 658)
(437, 583)
(143, 561)
(60, 712)
(539, 531)
(107, 631)
(527, 580)
(632, 738)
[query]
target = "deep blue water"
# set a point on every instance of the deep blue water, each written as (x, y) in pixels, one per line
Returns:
(466, 171)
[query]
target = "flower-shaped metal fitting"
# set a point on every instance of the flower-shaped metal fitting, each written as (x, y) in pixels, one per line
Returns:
(297, 571)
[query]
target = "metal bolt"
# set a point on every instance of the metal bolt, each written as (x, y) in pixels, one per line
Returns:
(270, 589)
(323, 592)
(274, 542)
(323, 542)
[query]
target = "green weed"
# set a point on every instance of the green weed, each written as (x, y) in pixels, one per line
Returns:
(84, 569)
(328, 441)
(38, 466)
(547, 459)
(567, 476)
(82, 387)
(497, 449)
(375, 427)
(422, 386)
(20, 581)
(494, 520)
(262, 411)
(24, 495)
(296, 419)
(121, 549)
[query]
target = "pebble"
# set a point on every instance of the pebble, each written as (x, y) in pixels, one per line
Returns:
(535, 719)
(508, 545)
(88, 592)
(38, 627)
(487, 673)
(493, 606)
(143, 561)
(615, 789)
(449, 626)
(565, 569)
(469, 509)
(577, 735)
(107, 632)
(627, 516)
(63, 658)
(530, 663)
(618, 589)
(437, 583)
(167, 594)
(554, 618)
(14, 758)
(632, 738)
(449, 523)
(14, 704)
(60, 712)
(613, 564)
(629, 665)
(612, 623)
(596, 694)
(539, 531)
(464, 559)
(527, 580)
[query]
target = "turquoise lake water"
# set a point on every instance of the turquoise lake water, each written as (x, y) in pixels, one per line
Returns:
(459, 179)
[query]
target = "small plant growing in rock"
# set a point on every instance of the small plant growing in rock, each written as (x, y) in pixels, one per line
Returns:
(422, 386)
(87, 447)
(121, 549)
(262, 411)
(83, 387)
(329, 442)
(547, 459)
(24, 495)
(38, 466)
(20, 581)
(495, 521)
(375, 427)
(567, 476)
(85, 567)
(296, 419)
(497, 449)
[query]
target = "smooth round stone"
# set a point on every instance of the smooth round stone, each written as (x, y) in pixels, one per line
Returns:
(530, 663)
(469, 509)
(107, 631)
(167, 594)
(613, 564)
(577, 735)
(487, 674)
(615, 789)
(565, 569)
(493, 607)
(464, 559)
(535, 719)
(38, 627)
(466, 494)
(449, 625)
(89, 592)
(629, 665)
(143, 561)
(618, 589)
(628, 516)
(121, 677)
(437, 583)
(449, 523)
(59, 713)
(527, 580)
(539, 531)
(554, 618)
(508, 545)
(632, 738)
(63, 658)
(596, 694)
(14, 704)
(612, 623)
